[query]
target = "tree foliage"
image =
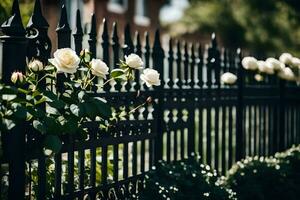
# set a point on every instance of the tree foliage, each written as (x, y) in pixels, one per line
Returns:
(265, 27)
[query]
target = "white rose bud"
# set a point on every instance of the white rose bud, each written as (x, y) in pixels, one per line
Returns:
(65, 60)
(150, 77)
(286, 58)
(228, 78)
(296, 62)
(36, 65)
(99, 68)
(249, 63)
(275, 64)
(258, 77)
(17, 77)
(265, 67)
(287, 74)
(134, 61)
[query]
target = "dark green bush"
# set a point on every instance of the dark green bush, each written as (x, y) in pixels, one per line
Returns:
(289, 162)
(183, 180)
(260, 179)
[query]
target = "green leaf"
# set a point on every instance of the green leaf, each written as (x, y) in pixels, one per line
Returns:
(52, 126)
(39, 126)
(36, 112)
(102, 107)
(20, 113)
(75, 110)
(117, 73)
(58, 104)
(9, 124)
(71, 125)
(8, 90)
(40, 101)
(53, 143)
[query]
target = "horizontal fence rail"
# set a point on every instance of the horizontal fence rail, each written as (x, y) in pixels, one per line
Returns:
(193, 113)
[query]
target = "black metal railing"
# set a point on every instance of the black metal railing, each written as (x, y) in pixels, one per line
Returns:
(192, 113)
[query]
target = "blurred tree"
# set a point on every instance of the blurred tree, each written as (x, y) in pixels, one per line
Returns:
(264, 27)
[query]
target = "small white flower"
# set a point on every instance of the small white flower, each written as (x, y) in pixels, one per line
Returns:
(249, 63)
(150, 77)
(36, 65)
(65, 60)
(275, 64)
(48, 152)
(286, 58)
(17, 77)
(99, 68)
(258, 77)
(265, 67)
(296, 62)
(228, 78)
(287, 74)
(134, 61)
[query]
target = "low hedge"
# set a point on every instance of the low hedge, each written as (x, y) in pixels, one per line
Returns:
(274, 178)
(184, 180)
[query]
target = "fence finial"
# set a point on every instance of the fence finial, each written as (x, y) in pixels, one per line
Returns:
(37, 19)
(213, 40)
(128, 45)
(14, 26)
(63, 24)
(79, 30)
(157, 43)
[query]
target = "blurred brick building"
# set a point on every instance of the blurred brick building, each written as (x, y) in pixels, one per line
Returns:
(141, 14)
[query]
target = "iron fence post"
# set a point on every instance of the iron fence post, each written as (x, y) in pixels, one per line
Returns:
(240, 146)
(14, 43)
(158, 62)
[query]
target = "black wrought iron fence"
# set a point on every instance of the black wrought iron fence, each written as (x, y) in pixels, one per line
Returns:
(192, 113)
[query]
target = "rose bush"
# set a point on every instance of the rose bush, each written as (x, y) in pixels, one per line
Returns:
(286, 68)
(32, 99)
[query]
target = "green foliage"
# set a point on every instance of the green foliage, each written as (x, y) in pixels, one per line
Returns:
(289, 162)
(185, 179)
(260, 179)
(264, 27)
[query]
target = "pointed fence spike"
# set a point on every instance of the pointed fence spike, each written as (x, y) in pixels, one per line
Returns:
(37, 19)
(79, 30)
(213, 40)
(63, 24)
(128, 45)
(157, 43)
(105, 30)
(14, 26)
(93, 36)
(115, 36)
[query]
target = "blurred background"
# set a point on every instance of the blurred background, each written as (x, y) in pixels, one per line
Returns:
(266, 27)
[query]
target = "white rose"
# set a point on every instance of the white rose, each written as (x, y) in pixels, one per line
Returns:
(286, 58)
(36, 65)
(150, 77)
(65, 60)
(295, 62)
(264, 67)
(228, 78)
(287, 74)
(99, 68)
(258, 77)
(249, 63)
(275, 64)
(134, 61)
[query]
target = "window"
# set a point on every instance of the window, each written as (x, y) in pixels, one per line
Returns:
(117, 6)
(141, 13)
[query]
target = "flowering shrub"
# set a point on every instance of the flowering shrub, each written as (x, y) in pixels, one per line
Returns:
(260, 179)
(32, 98)
(289, 162)
(185, 179)
(286, 68)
